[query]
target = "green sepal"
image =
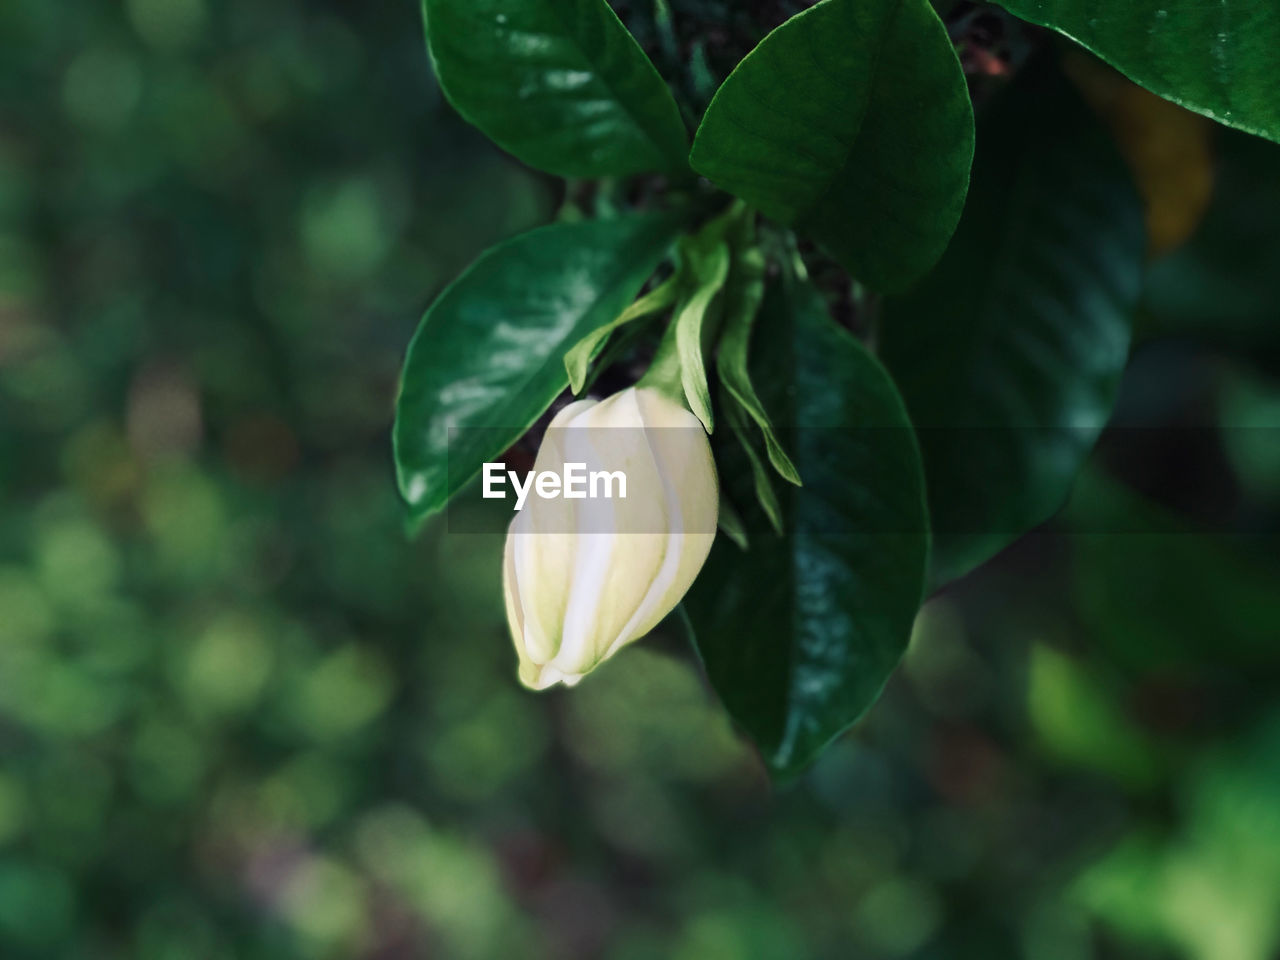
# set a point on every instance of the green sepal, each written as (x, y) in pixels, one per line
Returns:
(765, 493)
(708, 269)
(578, 360)
(730, 523)
(743, 295)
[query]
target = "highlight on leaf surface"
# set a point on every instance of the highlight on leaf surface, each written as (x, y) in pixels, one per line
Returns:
(488, 357)
(560, 84)
(1218, 59)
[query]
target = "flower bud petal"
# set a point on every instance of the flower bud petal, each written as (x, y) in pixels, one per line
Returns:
(584, 577)
(543, 553)
(692, 496)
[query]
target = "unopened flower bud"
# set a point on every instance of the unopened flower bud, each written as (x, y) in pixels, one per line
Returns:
(584, 576)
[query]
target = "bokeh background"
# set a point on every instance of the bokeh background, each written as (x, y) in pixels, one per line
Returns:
(244, 715)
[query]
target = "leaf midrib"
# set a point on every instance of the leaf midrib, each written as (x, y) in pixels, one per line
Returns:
(878, 55)
(605, 13)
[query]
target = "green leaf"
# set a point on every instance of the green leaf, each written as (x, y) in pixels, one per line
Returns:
(488, 357)
(743, 296)
(799, 634)
(560, 84)
(579, 357)
(1009, 354)
(1217, 58)
(705, 265)
(852, 122)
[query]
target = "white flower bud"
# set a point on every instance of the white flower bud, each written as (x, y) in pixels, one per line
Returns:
(585, 577)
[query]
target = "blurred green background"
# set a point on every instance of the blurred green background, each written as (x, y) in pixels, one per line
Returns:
(243, 715)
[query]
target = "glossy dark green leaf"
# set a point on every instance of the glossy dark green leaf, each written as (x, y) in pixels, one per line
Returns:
(852, 122)
(798, 634)
(1009, 353)
(488, 357)
(1217, 58)
(560, 84)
